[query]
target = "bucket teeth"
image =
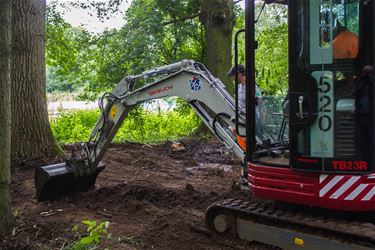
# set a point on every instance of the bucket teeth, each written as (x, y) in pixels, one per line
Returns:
(58, 180)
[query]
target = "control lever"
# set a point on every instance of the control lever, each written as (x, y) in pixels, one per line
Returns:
(300, 104)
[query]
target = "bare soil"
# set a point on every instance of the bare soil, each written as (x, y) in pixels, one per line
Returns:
(154, 197)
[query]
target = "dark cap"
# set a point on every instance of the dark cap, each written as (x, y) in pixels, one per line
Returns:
(240, 69)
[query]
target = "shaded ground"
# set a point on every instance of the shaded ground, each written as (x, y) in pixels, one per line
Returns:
(154, 196)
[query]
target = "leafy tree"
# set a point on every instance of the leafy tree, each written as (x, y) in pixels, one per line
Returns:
(161, 32)
(271, 58)
(64, 46)
(56, 83)
(272, 54)
(166, 31)
(156, 33)
(61, 45)
(5, 115)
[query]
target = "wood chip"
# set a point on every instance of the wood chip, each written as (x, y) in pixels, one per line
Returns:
(201, 230)
(104, 214)
(177, 147)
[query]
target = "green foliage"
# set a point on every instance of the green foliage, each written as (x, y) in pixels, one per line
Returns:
(57, 84)
(271, 58)
(151, 37)
(270, 107)
(101, 9)
(65, 47)
(74, 126)
(157, 32)
(139, 126)
(95, 233)
(61, 49)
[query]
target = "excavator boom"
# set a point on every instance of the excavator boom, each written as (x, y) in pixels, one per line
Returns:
(187, 79)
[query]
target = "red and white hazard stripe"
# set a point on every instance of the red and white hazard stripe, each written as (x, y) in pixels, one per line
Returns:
(345, 187)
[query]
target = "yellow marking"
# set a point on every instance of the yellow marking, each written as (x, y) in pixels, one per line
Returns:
(299, 241)
(113, 112)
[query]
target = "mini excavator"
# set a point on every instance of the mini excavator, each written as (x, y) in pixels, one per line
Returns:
(187, 79)
(327, 130)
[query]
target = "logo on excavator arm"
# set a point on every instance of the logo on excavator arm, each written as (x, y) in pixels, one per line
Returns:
(161, 90)
(113, 112)
(195, 84)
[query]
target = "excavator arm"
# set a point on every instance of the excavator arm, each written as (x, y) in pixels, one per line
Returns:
(186, 79)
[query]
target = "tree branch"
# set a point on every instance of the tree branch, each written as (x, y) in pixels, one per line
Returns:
(236, 2)
(102, 36)
(182, 19)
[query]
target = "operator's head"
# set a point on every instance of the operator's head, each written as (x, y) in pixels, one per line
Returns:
(240, 70)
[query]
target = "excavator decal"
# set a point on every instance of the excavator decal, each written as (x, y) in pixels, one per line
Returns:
(161, 90)
(344, 187)
(113, 111)
(195, 84)
(350, 165)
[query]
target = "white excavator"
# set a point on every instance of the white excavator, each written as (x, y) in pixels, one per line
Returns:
(186, 79)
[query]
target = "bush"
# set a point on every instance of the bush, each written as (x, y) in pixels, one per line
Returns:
(139, 126)
(74, 126)
(94, 235)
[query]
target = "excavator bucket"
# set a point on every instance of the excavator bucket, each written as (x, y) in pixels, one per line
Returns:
(58, 180)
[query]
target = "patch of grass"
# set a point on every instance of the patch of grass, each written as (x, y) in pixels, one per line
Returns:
(139, 126)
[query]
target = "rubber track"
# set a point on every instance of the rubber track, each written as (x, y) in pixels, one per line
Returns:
(342, 229)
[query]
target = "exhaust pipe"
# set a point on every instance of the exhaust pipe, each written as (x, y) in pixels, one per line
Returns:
(55, 181)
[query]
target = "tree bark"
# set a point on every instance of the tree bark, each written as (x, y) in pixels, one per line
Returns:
(218, 20)
(31, 133)
(5, 114)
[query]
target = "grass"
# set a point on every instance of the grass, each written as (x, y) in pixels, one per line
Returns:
(139, 126)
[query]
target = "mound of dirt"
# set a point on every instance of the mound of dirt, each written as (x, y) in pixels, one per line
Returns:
(154, 196)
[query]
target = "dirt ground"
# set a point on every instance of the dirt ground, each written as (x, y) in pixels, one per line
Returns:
(154, 197)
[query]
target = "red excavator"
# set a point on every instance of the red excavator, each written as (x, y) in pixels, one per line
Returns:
(321, 157)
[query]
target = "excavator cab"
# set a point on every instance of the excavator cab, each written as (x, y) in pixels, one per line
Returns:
(331, 117)
(331, 110)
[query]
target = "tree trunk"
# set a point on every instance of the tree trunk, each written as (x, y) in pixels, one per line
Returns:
(218, 19)
(31, 133)
(5, 114)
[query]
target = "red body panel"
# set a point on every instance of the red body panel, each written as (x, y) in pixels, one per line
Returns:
(339, 192)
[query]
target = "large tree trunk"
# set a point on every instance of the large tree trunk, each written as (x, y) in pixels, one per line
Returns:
(218, 19)
(5, 114)
(31, 133)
